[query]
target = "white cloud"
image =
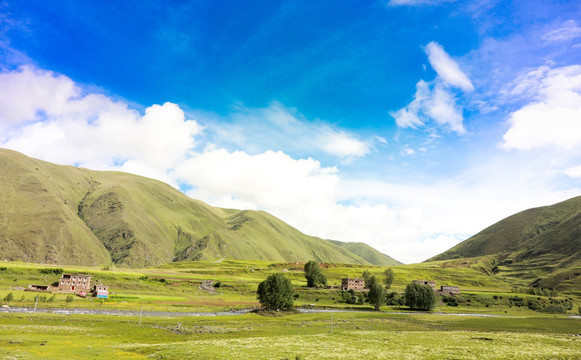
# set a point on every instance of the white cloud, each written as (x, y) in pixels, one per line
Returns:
(271, 180)
(568, 30)
(431, 101)
(442, 107)
(574, 172)
(447, 69)
(552, 118)
(56, 121)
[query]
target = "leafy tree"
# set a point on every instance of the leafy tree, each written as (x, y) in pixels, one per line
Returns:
(8, 298)
(419, 297)
(376, 296)
(276, 293)
(69, 299)
(389, 277)
(314, 275)
(366, 277)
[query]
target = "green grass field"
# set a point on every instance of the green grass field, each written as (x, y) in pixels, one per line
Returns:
(518, 333)
(306, 336)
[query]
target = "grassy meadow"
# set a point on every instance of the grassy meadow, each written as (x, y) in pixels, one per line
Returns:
(513, 331)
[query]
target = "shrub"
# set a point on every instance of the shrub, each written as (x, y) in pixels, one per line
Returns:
(50, 271)
(450, 300)
(535, 305)
(276, 293)
(419, 297)
(555, 309)
(3, 268)
(218, 284)
(69, 299)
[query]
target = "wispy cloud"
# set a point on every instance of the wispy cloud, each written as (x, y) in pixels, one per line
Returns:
(436, 100)
(447, 69)
(277, 127)
(417, 2)
(567, 31)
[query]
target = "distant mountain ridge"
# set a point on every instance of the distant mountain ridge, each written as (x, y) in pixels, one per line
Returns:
(540, 245)
(63, 214)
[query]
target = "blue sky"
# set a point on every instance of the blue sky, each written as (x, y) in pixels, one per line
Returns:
(408, 125)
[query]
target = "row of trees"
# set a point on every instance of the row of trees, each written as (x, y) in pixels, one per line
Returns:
(276, 292)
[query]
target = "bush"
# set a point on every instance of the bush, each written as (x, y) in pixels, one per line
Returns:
(50, 271)
(535, 305)
(276, 293)
(69, 299)
(217, 284)
(450, 300)
(555, 309)
(419, 297)
(3, 268)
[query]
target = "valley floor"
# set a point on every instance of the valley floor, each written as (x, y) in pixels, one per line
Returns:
(79, 328)
(303, 336)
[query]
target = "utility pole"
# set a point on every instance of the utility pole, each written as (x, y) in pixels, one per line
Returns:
(331, 322)
(140, 314)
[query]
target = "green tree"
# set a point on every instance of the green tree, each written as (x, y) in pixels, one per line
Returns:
(389, 277)
(8, 298)
(366, 278)
(376, 295)
(419, 297)
(314, 275)
(69, 299)
(276, 293)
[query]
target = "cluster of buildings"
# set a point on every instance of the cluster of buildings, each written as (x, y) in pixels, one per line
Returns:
(444, 290)
(359, 284)
(79, 284)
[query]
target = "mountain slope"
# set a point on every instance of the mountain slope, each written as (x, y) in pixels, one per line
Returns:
(541, 246)
(368, 253)
(63, 214)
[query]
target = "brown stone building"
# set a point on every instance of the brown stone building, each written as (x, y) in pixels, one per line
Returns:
(430, 283)
(75, 283)
(449, 290)
(352, 284)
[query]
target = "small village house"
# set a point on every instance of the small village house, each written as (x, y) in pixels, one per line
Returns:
(101, 291)
(449, 290)
(430, 283)
(43, 288)
(75, 283)
(352, 284)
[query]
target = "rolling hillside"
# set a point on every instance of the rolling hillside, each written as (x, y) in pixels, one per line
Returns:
(540, 246)
(67, 215)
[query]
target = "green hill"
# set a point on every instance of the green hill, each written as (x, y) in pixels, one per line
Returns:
(67, 215)
(540, 246)
(367, 252)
